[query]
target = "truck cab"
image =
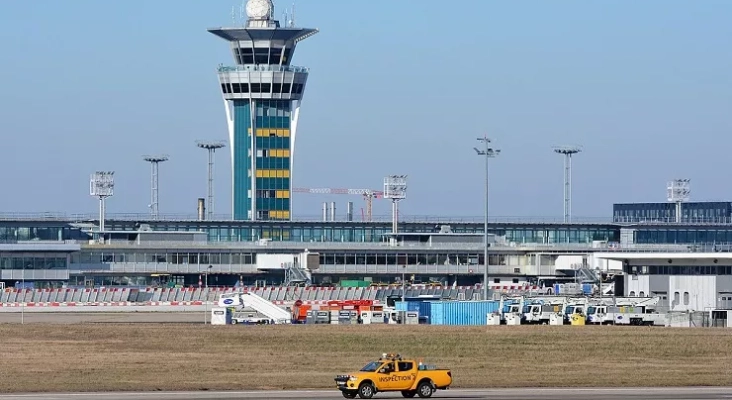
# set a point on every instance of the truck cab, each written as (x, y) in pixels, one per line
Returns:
(392, 373)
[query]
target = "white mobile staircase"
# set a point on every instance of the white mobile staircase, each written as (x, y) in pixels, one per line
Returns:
(258, 303)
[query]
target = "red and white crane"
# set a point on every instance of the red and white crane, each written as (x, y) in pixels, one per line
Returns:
(368, 195)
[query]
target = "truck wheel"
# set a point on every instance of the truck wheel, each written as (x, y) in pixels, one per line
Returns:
(424, 389)
(366, 391)
(408, 393)
(349, 395)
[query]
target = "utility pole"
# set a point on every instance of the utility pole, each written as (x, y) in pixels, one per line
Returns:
(154, 161)
(567, 152)
(211, 147)
(488, 152)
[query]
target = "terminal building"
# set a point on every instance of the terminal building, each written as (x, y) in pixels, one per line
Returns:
(644, 249)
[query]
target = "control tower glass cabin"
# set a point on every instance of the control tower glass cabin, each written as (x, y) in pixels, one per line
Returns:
(262, 96)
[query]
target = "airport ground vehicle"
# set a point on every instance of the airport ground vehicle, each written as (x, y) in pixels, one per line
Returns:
(392, 373)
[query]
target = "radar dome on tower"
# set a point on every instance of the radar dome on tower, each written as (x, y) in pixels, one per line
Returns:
(259, 9)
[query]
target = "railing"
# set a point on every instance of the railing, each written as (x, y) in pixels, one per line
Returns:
(262, 68)
(385, 219)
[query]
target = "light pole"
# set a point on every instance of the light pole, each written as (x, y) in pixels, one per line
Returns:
(488, 152)
(404, 267)
(154, 164)
(567, 152)
(211, 147)
(22, 303)
(205, 298)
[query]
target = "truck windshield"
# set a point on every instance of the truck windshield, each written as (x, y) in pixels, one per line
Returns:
(371, 367)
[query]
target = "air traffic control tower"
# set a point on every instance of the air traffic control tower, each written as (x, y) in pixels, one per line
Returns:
(262, 96)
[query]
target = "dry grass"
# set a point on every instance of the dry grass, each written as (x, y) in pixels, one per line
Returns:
(39, 357)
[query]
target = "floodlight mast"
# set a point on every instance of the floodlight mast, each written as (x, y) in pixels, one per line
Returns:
(102, 186)
(567, 152)
(678, 191)
(211, 147)
(488, 152)
(395, 188)
(154, 162)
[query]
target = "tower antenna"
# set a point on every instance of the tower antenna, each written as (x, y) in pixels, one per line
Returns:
(292, 17)
(567, 152)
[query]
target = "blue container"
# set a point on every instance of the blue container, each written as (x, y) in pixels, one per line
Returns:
(587, 288)
(461, 312)
(436, 313)
(409, 306)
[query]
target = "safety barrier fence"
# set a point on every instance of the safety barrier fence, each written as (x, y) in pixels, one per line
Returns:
(193, 295)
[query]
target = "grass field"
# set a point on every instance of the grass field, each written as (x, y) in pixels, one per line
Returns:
(39, 357)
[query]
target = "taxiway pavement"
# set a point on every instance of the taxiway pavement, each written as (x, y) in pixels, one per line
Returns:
(675, 393)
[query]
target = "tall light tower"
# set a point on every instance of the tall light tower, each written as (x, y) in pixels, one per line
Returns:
(395, 188)
(154, 162)
(567, 152)
(678, 191)
(211, 147)
(101, 185)
(488, 152)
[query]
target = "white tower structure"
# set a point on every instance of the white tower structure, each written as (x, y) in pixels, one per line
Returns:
(262, 96)
(101, 185)
(678, 191)
(567, 152)
(154, 162)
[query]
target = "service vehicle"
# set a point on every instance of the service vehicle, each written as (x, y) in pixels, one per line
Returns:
(392, 373)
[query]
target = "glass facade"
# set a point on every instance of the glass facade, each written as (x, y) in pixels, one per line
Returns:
(271, 150)
(683, 235)
(20, 261)
(691, 212)
(245, 231)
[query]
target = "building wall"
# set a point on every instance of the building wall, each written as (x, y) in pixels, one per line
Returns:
(682, 292)
(637, 284)
(697, 293)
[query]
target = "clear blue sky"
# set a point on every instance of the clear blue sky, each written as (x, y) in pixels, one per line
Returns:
(395, 87)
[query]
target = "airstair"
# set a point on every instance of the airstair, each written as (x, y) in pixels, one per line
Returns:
(258, 303)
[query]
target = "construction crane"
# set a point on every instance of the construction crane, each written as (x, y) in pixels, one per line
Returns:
(368, 195)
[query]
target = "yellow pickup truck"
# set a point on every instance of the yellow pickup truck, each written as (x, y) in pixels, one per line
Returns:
(392, 373)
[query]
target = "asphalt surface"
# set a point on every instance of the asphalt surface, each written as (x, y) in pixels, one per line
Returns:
(686, 393)
(113, 317)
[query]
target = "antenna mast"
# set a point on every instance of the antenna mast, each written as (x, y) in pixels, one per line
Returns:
(292, 17)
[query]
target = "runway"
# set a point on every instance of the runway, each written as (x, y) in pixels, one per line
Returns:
(686, 393)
